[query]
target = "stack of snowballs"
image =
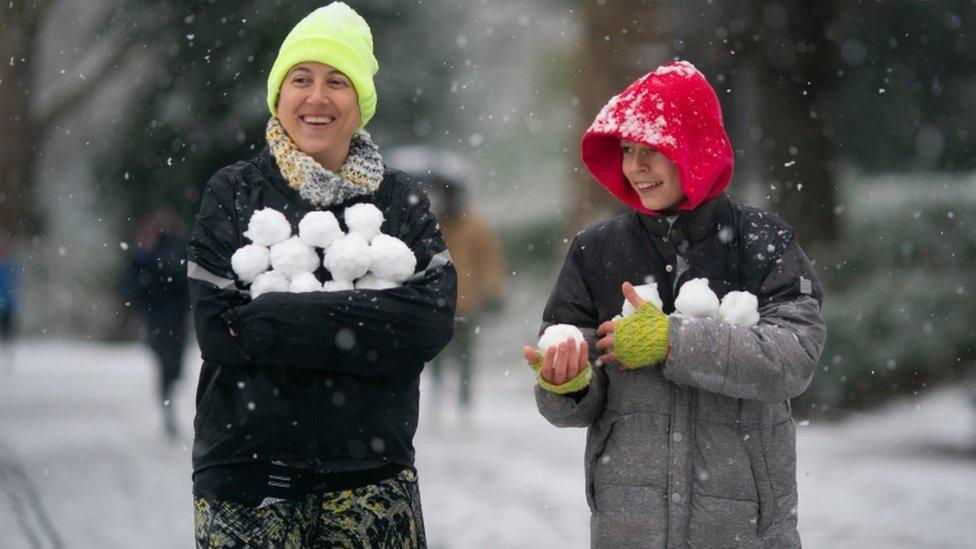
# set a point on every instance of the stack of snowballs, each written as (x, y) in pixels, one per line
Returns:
(695, 299)
(363, 259)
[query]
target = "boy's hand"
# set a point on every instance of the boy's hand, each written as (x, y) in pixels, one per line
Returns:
(606, 330)
(561, 362)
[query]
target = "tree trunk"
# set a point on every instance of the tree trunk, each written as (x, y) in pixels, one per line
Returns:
(623, 40)
(797, 87)
(17, 30)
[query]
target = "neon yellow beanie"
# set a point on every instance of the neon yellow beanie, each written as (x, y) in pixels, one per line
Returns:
(339, 37)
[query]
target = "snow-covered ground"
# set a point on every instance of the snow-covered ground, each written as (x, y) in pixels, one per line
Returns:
(83, 458)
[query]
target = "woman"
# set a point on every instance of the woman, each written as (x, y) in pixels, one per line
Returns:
(690, 439)
(307, 403)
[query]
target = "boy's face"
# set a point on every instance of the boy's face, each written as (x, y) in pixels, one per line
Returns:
(653, 177)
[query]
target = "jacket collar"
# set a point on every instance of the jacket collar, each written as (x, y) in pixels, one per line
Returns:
(692, 225)
(266, 162)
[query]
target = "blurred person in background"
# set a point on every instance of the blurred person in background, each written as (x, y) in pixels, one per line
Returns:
(308, 403)
(154, 281)
(476, 252)
(8, 304)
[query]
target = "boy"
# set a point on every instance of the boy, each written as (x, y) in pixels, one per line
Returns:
(690, 438)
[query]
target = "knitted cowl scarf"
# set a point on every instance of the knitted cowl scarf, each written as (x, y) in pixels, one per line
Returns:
(361, 173)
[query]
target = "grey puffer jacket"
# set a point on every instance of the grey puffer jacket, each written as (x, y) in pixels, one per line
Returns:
(702, 451)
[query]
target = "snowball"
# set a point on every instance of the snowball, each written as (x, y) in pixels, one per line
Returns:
(268, 227)
(305, 282)
(319, 229)
(647, 292)
(557, 333)
(348, 257)
(292, 257)
(250, 261)
(372, 282)
(271, 281)
(337, 285)
(739, 308)
(391, 259)
(696, 299)
(364, 219)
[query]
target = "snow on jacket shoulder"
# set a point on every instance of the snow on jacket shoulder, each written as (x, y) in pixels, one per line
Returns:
(699, 452)
(319, 376)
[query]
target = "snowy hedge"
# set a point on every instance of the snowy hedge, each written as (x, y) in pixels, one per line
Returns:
(900, 305)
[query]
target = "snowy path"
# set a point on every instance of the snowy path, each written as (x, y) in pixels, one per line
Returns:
(76, 419)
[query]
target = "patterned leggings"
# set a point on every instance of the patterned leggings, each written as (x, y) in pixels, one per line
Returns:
(381, 515)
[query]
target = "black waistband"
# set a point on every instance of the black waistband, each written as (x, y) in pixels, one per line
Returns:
(252, 483)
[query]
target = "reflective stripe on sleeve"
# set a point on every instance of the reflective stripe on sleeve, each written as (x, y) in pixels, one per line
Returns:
(196, 272)
(436, 262)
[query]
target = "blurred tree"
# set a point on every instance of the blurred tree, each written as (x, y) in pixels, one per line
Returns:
(26, 123)
(621, 41)
(792, 45)
(817, 83)
(907, 78)
(17, 28)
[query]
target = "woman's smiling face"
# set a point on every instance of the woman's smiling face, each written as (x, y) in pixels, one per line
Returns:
(653, 177)
(318, 108)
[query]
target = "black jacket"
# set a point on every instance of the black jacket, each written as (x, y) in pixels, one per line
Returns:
(699, 451)
(736, 247)
(313, 377)
(155, 281)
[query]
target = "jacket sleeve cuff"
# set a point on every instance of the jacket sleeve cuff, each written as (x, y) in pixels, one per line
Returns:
(254, 336)
(574, 388)
(578, 383)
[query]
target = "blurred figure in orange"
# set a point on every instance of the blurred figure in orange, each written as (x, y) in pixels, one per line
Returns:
(475, 249)
(155, 283)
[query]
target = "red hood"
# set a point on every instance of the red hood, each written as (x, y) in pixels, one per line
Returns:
(674, 110)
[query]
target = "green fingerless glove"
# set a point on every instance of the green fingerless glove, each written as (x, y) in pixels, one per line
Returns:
(642, 338)
(581, 380)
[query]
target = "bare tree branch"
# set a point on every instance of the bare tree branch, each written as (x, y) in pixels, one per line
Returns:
(75, 96)
(95, 79)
